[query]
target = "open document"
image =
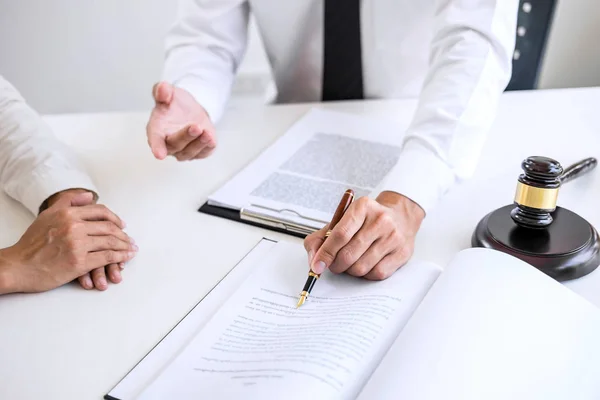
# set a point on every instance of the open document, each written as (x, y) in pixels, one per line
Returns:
(296, 184)
(488, 327)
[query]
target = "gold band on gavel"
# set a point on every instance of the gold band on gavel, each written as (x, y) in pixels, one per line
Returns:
(535, 197)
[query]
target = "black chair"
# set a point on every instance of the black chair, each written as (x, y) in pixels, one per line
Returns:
(533, 27)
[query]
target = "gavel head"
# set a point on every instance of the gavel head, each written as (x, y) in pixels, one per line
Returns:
(537, 192)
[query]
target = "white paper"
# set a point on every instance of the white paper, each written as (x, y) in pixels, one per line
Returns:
(165, 351)
(260, 346)
(494, 328)
(303, 175)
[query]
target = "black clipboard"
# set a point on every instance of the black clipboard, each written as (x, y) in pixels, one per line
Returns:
(234, 215)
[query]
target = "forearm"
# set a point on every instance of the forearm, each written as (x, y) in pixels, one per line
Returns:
(8, 269)
(204, 49)
(471, 60)
(33, 163)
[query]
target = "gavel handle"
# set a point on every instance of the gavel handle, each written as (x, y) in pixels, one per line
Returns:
(578, 169)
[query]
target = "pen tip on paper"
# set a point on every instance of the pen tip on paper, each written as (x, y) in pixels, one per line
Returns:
(301, 301)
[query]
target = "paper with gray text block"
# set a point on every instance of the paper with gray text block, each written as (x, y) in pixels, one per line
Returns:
(306, 171)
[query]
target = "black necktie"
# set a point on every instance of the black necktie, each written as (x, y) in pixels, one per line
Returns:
(342, 60)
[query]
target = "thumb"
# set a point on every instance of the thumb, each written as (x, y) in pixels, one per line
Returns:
(313, 242)
(157, 143)
(163, 92)
(82, 199)
(71, 199)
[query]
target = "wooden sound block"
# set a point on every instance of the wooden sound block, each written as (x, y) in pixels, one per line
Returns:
(566, 249)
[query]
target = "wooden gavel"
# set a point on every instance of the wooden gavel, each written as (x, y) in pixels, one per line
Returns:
(557, 241)
(537, 189)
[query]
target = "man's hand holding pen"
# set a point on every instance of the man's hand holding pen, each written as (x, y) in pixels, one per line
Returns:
(373, 239)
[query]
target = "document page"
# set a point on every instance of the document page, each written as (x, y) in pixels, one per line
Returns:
(493, 327)
(169, 347)
(259, 345)
(303, 175)
(325, 166)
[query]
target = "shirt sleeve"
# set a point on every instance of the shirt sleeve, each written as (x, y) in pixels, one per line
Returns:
(470, 67)
(34, 165)
(205, 48)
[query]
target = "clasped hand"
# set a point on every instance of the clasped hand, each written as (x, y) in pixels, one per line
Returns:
(69, 240)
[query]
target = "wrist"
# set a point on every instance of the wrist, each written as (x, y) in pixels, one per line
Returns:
(400, 203)
(8, 272)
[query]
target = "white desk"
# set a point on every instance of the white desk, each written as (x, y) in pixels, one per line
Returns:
(76, 344)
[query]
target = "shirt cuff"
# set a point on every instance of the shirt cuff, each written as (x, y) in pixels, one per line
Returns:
(420, 175)
(208, 96)
(45, 184)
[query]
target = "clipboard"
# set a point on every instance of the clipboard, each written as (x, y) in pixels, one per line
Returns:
(280, 173)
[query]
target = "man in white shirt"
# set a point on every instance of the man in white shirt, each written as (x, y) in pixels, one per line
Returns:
(454, 55)
(72, 238)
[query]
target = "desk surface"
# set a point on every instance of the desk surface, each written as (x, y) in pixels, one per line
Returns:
(76, 344)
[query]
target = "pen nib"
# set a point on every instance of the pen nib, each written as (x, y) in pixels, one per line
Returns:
(301, 300)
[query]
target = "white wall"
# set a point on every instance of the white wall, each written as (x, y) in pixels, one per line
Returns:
(71, 55)
(573, 52)
(94, 55)
(104, 55)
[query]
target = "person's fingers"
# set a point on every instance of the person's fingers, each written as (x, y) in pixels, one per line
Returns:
(98, 212)
(355, 249)
(82, 199)
(106, 257)
(99, 278)
(197, 145)
(369, 259)
(113, 272)
(104, 228)
(156, 139)
(109, 242)
(207, 151)
(163, 92)
(340, 236)
(86, 281)
(313, 241)
(179, 140)
(71, 198)
(386, 267)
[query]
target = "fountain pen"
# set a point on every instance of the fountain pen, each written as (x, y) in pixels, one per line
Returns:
(347, 199)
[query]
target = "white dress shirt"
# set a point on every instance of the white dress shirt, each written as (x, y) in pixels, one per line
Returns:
(34, 165)
(454, 55)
